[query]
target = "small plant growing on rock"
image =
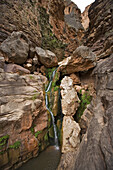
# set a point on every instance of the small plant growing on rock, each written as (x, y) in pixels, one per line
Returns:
(85, 99)
(15, 145)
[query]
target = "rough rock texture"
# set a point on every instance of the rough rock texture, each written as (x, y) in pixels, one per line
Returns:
(46, 57)
(82, 59)
(100, 33)
(70, 100)
(71, 131)
(43, 22)
(73, 15)
(15, 48)
(22, 108)
(14, 68)
(85, 18)
(70, 103)
(99, 153)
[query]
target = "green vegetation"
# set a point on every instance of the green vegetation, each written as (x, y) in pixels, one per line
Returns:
(3, 140)
(49, 72)
(85, 100)
(46, 137)
(35, 96)
(49, 40)
(37, 133)
(31, 77)
(15, 145)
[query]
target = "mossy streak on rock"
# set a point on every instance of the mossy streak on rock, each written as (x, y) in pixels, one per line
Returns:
(85, 99)
(15, 145)
(49, 40)
(4, 140)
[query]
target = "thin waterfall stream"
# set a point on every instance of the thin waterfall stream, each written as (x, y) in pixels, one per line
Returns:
(50, 157)
(52, 116)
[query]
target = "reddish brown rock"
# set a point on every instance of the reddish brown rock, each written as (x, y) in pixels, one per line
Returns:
(14, 68)
(100, 33)
(75, 78)
(82, 59)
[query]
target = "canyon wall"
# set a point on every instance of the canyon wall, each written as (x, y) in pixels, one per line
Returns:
(96, 147)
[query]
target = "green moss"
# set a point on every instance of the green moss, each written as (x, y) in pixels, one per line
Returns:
(4, 140)
(37, 133)
(31, 77)
(34, 97)
(2, 152)
(85, 100)
(49, 72)
(49, 40)
(15, 145)
(46, 137)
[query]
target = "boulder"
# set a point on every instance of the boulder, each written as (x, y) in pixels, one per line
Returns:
(46, 57)
(14, 68)
(70, 100)
(71, 131)
(15, 48)
(82, 59)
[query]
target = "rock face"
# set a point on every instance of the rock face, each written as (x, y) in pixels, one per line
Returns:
(70, 103)
(16, 48)
(99, 153)
(85, 18)
(43, 22)
(70, 100)
(23, 115)
(82, 59)
(100, 33)
(46, 57)
(73, 15)
(71, 131)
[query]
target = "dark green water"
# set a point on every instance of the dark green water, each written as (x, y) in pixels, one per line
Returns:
(47, 160)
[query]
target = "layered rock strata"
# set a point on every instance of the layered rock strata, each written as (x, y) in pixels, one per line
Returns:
(23, 117)
(100, 32)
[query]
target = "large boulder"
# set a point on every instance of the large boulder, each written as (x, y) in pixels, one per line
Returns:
(71, 131)
(15, 48)
(70, 100)
(46, 57)
(82, 59)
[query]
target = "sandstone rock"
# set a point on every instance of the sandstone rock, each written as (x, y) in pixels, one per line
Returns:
(73, 15)
(75, 78)
(71, 132)
(15, 48)
(99, 36)
(46, 57)
(14, 68)
(97, 142)
(85, 18)
(82, 59)
(70, 100)
(21, 106)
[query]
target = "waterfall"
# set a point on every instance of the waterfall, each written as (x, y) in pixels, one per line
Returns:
(52, 116)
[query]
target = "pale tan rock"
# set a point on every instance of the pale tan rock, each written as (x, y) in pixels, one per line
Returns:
(70, 100)
(71, 132)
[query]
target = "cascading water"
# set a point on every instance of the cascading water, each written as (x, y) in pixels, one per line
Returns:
(52, 116)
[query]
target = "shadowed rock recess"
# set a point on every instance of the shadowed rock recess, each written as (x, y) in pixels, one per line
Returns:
(38, 38)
